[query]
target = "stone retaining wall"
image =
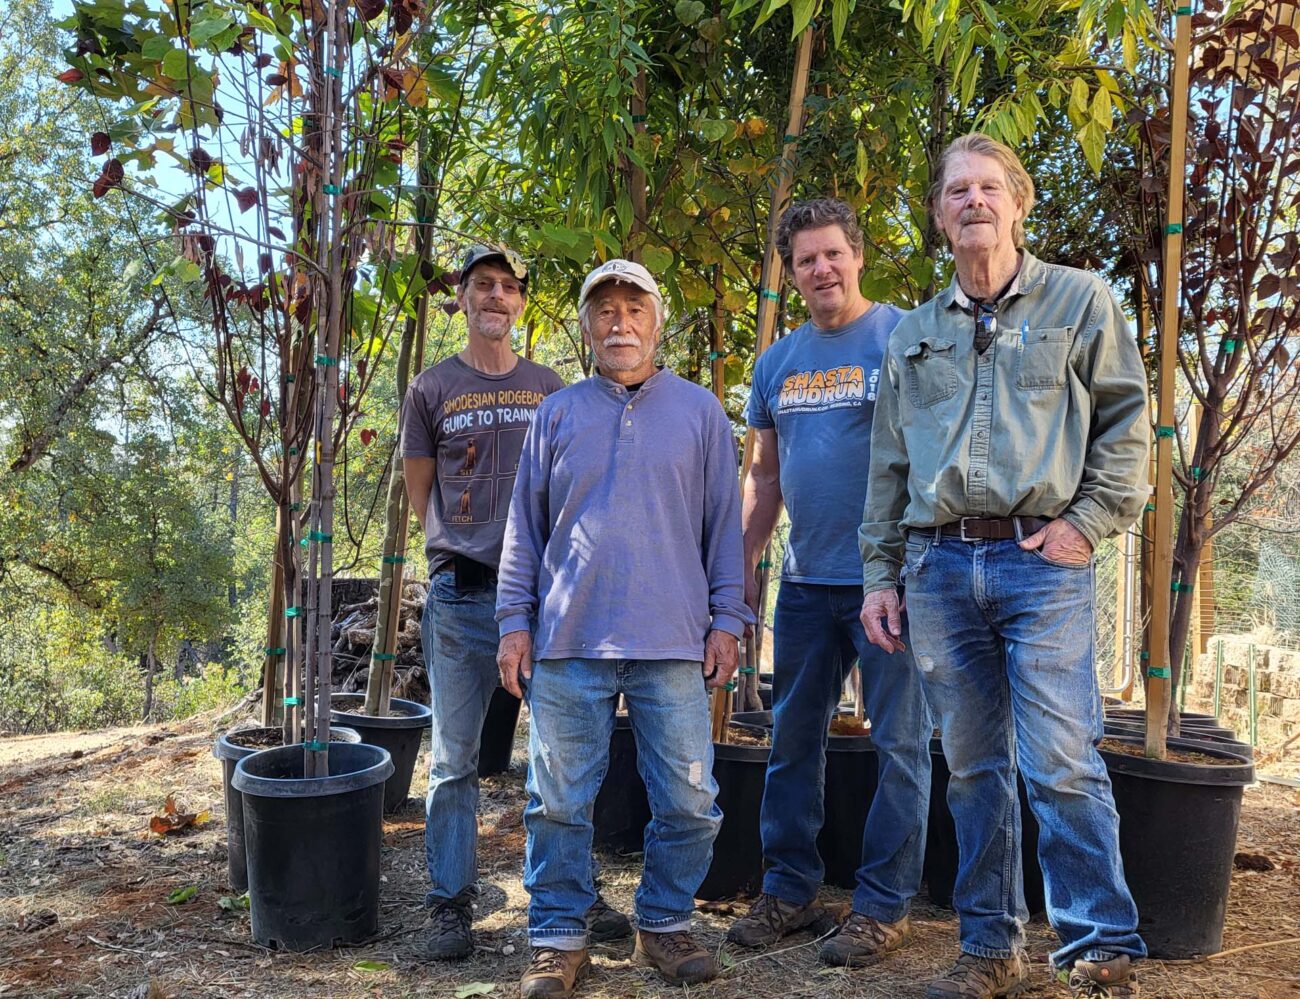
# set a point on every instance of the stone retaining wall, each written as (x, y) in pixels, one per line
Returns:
(1277, 688)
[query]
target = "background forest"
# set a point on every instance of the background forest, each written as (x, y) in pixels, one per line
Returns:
(136, 430)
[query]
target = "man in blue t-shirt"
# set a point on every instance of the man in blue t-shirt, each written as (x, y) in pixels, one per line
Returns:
(811, 406)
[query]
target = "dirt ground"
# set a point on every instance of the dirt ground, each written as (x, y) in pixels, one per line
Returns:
(84, 889)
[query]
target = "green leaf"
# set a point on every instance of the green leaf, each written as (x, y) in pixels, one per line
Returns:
(176, 64)
(233, 903)
(802, 11)
(182, 894)
(1079, 96)
(370, 966)
(1101, 107)
(689, 11)
(202, 32)
(715, 130)
(474, 989)
(861, 164)
(156, 47)
(657, 259)
(840, 19)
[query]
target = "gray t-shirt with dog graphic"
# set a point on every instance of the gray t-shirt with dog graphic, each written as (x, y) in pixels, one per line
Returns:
(472, 425)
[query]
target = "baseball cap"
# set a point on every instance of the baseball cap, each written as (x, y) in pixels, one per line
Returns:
(503, 255)
(619, 270)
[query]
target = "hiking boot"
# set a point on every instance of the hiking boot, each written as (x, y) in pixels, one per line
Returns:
(863, 940)
(676, 956)
(771, 918)
(982, 978)
(553, 974)
(1113, 979)
(450, 937)
(605, 923)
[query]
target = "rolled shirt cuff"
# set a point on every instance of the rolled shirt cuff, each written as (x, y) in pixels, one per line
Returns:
(730, 623)
(878, 575)
(514, 622)
(1092, 521)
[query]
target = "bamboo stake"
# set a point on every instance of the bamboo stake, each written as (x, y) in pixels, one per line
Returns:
(1158, 685)
(770, 280)
(273, 662)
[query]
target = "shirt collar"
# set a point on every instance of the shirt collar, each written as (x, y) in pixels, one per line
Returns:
(1029, 277)
(614, 388)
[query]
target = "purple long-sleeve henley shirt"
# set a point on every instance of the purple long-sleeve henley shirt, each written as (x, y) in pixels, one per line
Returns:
(623, 540)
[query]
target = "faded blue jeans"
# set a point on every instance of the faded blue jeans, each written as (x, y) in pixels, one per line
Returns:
(571, 705)
(818, 638)
(1004, 641)
(459, 636)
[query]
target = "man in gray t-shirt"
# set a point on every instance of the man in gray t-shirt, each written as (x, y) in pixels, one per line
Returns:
(463, 425)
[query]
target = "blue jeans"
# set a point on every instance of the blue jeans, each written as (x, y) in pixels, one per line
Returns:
(459, 636)
(1004, 640)
(818, 638)
(571, 703)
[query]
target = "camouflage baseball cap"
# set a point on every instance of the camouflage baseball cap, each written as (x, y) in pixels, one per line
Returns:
(502, 254)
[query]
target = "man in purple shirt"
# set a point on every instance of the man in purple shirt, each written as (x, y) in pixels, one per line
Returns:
(621, 574)
(463, 426)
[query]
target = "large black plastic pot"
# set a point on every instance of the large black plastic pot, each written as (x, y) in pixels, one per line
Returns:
(313, 845)
(497, 739)
(1208, 736)
(1188, 717)
(230, 754)
(737, 867)
(941, 860)
(622, 809)
(852, 775)
(1177, 836)
(399, 732)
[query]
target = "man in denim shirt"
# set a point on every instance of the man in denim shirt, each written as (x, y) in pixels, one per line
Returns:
(812, 405)
(621, 575)
(1011, 437)
(463, 426)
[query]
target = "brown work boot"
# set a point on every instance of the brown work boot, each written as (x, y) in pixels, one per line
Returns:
(1113, 979)
(676, 956)
(554, 974)
(863, 940)
(982, 978)
(771, 918)
(605, 923)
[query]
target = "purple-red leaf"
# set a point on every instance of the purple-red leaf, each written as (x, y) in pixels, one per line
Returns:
(246, 197)
(73, 75)
(99, 143)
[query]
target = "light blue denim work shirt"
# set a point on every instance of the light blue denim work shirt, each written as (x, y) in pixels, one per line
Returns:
(623, 540)
(1050, 421)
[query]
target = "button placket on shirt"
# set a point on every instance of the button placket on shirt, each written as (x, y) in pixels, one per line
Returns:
(977, 486)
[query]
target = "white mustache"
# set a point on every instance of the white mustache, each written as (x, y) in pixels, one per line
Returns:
(620, 341)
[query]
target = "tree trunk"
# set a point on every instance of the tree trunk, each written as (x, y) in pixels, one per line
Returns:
(150, 663)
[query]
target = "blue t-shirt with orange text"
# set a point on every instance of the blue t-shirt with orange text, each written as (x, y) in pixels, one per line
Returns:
(817, 388)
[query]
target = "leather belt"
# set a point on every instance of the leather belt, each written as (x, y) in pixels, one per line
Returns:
(991, 528)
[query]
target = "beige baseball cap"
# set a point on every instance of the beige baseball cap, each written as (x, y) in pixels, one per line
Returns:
(619, 270)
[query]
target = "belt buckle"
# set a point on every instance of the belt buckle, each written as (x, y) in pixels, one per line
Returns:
(961, 526)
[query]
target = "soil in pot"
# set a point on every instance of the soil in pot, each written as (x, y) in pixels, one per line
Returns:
(230, 749)
(399, 732)
(1179, 871)
(497, 739)
(740, 768)
(313, 845)
(622, 809)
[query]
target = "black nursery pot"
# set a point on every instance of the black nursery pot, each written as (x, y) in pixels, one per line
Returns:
(398, 732)
(622, 809)
(313, 845)
(497, 739)
(230, 754)
(737, 866)
(1212, 736)
(852, 776)
(1177, 837)
(941, 860)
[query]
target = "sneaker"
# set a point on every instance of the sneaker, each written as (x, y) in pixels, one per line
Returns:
(553, 974)
(771, 918)
(863, 940)
(450, 937)
(605, 923)
(676, 956)
(1113, 979)
(982, 978)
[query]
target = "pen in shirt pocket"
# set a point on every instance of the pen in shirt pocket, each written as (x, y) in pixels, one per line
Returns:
(1024, 332)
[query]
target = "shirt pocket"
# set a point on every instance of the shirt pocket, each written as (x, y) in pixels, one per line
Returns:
(931, 371)
(1043, 356)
